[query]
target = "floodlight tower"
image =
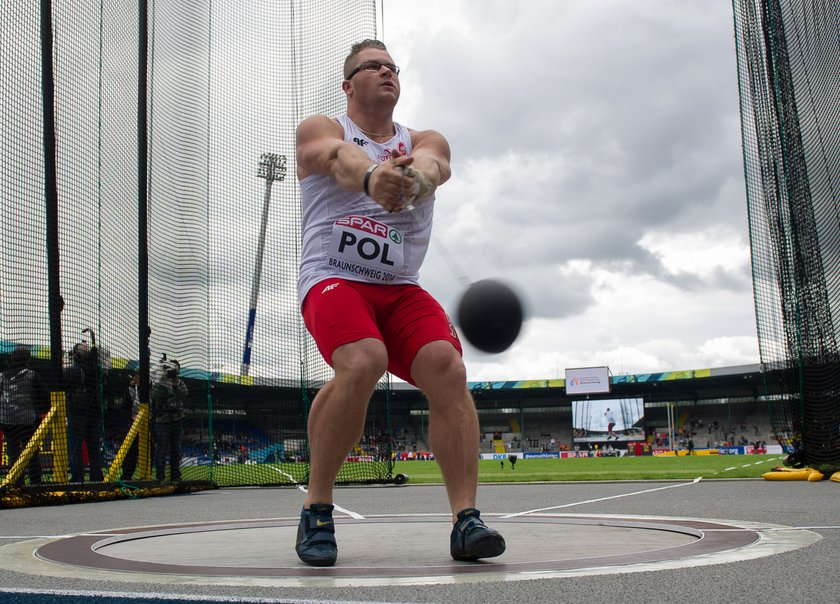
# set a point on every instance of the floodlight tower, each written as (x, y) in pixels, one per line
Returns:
(271, 167)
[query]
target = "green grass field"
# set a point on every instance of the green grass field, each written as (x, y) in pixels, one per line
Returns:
(604, 468)
(527, 470)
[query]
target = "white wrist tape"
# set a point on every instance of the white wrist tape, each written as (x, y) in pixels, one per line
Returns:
(421, 188)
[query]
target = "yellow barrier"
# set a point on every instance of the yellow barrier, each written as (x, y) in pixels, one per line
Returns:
(809, 474)
(139, 430)
(55, 421)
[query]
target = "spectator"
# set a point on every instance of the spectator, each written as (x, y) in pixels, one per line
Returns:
(84, 412)
(168, 398)
(23, 398)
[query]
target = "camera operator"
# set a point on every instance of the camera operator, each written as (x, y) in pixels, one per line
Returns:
(84, 412)
(168, 397)
(24, 397)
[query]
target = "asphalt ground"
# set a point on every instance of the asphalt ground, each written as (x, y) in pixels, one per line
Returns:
(795, 556)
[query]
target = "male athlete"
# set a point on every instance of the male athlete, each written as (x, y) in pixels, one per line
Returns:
(367, 189)
(610, 424)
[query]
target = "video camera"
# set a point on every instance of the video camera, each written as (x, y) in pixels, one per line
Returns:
(170, 367)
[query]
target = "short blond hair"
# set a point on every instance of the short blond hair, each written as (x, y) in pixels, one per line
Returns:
(357, 48)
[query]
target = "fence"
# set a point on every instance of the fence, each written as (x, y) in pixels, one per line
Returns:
(149, 211)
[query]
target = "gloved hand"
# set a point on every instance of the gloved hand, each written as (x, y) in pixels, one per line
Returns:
(420, 189)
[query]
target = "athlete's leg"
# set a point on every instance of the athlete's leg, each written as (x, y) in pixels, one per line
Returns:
(439, 372)
(424, 349)
(342, 322)
(337, 416)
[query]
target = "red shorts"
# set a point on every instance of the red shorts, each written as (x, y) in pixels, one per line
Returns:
(404, 317)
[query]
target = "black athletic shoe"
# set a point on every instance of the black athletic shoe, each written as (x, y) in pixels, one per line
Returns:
(471, 539)
(316, 536)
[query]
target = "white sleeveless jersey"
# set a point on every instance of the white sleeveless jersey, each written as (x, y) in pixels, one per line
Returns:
(348, 235)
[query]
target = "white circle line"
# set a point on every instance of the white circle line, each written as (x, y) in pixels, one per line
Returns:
(772, 539)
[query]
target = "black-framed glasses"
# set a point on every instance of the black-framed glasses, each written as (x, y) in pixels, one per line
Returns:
(374, 66)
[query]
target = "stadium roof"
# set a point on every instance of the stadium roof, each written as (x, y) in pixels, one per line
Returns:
(710, 384)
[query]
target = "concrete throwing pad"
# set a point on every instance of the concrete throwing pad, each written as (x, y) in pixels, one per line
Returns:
(401, 550)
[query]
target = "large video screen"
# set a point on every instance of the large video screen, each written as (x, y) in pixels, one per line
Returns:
(608, 420)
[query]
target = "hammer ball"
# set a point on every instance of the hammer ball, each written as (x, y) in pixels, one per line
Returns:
(490, 315)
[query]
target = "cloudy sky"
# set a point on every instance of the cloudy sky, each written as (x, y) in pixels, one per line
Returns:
(596, 167)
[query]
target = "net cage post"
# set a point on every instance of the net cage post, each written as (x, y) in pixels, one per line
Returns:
(788, 68)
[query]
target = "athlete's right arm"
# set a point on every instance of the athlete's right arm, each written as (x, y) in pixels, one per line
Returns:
(321, 149)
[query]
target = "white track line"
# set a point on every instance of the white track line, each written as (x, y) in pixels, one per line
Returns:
(673, 486)
(302, 488)
(801, 528)
(36, 536)
(569, 505)
(168, 596)
(350, 513)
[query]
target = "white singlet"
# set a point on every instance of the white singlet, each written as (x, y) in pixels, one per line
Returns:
(348, 235)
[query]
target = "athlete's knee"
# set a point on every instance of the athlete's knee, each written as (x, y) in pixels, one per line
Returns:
(438, 363)
(365, 360)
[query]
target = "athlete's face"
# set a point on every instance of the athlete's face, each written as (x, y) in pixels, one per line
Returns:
(373, 78)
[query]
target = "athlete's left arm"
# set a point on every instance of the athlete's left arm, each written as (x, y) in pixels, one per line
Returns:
(431, 154)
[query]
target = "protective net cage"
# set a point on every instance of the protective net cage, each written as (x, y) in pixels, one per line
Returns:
(204, 241)
(789, 78)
